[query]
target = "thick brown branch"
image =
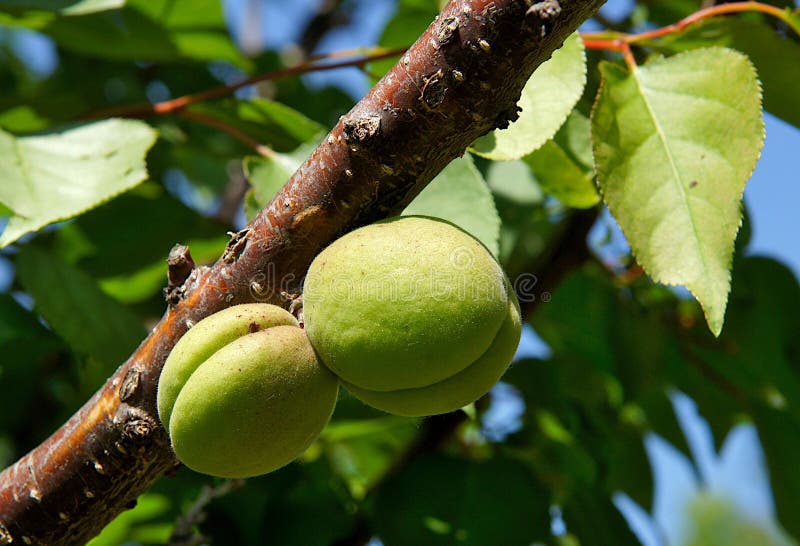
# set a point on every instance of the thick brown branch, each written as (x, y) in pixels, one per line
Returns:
(462, 78)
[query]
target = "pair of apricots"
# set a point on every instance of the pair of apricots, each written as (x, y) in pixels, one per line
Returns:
(412, 315)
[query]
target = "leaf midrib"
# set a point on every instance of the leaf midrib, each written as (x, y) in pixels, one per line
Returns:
(678, 178)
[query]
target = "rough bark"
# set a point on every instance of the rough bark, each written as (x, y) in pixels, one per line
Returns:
(461, 79)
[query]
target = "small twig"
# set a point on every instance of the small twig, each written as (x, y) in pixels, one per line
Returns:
(183, 534)
(620, 42)
(356, 51)
(179, 103)
(618, 45)
(260, 149)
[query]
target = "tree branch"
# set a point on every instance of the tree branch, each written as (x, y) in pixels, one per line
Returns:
(371, 165)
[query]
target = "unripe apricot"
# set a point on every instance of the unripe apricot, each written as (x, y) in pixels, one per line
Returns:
(413, 314)
(251, 395)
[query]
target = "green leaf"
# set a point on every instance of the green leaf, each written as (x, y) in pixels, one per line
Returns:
(267, 175)
(91, 322)
(154, 30)
(675, 141)
(758, 350)
(55, 176)
(314, 498)
(546, 101)
(776, 57)
(148, 280)
(16, 322)
(90, 6)
(410, 21)
(441, 501)
(794, 20)
(590, 516)
(64, 7)
(513, 182)
(361, 451)
(24, 343)
(780, 437)
(92, 241)
(268, 122)
(460, 195)
(565, 331)
(563, 166)
(149, 507)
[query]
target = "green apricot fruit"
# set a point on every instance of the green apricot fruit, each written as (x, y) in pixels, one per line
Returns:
(252, 405)
(205, 338)
(413, 314)
(459, 390)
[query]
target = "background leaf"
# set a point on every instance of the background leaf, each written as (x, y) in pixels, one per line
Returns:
(91, 322)
(442, 501)
(361, 451)
(459, 195)
(546, 100)
(59, 175)
(563, 166)
(674, 143)
(268, 122)
(155, 30)
(267, 175)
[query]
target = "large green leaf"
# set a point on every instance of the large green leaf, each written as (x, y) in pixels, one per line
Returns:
(460, 195)
(780, 436)
(776, 57)
(675, 141)
(563, 166)
(546, 101)
(55, 176)
(91, 322)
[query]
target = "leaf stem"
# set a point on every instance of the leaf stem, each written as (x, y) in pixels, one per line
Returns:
(616, 45)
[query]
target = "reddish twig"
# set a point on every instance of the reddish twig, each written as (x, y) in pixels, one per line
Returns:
(260, 149)
(712, 11)
(617, 45)
(620, 42)
(173, 105)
